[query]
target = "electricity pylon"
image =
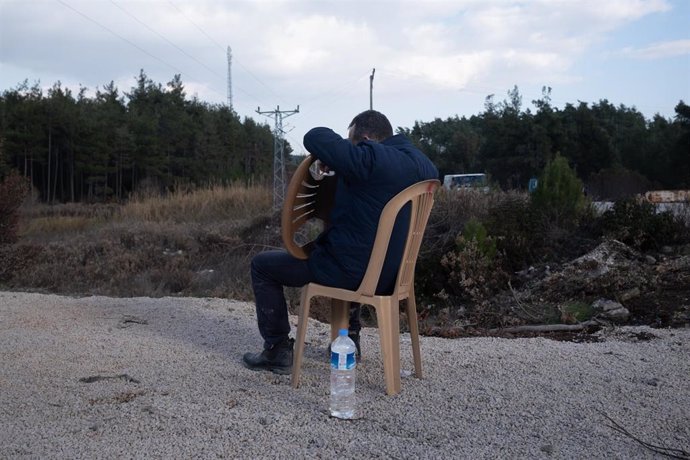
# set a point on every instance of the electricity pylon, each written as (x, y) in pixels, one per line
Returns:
(278, 153)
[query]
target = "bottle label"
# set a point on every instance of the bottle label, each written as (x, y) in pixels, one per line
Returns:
(342, 361)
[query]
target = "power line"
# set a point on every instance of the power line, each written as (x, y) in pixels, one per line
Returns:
(131, 43)
(297, 142)
(222, 48)
(120, 37)
(195, 25)
(168, 41)
(181, 50)
(234, 57)
(340, 90)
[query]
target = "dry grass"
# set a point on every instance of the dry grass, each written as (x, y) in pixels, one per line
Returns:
(196, 243)
(43, 223)
(58, 225)
(214, 203)
(212, 206)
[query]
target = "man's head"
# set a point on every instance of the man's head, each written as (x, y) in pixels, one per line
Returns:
(369, 125)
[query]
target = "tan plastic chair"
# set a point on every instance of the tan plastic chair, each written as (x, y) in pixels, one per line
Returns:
(421, 195)
(305, 199)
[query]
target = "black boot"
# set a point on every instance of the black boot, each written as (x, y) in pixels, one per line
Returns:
(277, 359)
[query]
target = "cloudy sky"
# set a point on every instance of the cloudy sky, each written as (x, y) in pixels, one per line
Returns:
(432, 58)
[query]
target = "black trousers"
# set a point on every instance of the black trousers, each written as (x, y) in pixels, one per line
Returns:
(270, 272)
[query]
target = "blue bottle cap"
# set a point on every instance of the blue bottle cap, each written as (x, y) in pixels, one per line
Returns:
(342, 332)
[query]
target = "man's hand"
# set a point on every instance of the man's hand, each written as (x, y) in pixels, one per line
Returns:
(320, 170)
(324, 169)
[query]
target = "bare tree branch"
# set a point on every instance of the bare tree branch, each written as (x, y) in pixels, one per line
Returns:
(667, 451)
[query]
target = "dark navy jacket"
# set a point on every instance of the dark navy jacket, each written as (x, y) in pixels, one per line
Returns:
(369, 175)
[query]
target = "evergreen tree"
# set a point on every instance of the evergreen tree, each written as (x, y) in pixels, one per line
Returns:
(505, 149)
(452, 144)
(559, 196)
(546, 136)
(22, 127)
(144, 113)
(81, 148)
(587, 144)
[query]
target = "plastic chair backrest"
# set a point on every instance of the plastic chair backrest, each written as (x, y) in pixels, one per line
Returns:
(421, 197)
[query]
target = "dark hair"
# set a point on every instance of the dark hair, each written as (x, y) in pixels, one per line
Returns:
(371, 124)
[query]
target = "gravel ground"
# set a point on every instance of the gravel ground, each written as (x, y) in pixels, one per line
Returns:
(100, 377)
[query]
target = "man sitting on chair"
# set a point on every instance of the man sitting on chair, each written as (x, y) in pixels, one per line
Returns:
(372, 166)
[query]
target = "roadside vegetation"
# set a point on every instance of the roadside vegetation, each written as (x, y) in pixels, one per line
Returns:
(151, 193)
(502, 259)
(479, 250)
(194, 243)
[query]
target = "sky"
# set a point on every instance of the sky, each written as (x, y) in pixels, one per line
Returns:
(433, 58)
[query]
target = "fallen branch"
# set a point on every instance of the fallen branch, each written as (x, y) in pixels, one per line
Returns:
(519, 304)
(667, 451)
(548, 327)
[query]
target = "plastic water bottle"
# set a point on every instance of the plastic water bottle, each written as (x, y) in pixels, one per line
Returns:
(343, 366)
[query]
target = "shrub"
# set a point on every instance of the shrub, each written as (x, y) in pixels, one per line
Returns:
(637, 224)
(475, 231)
(559, 197)
(473, 267)
(575, 312)
(13, 190)
(451, 211)
(466, 270)
(511, 223)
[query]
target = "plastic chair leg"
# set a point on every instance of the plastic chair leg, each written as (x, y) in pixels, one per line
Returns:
(414, 335)
(389, 333)
(340, 316)
(301, 336)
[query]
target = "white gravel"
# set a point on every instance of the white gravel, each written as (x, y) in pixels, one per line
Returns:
(100, 377)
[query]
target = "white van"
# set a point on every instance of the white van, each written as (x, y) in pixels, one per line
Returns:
(466, 181)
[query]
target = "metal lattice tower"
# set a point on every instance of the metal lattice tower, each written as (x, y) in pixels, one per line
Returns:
(278, 153)
(229, 77)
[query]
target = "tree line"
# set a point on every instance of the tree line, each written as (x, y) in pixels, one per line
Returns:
(610, 148)
(79, 148)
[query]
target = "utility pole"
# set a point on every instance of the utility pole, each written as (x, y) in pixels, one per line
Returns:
(278, 153)
(229, 78)
(371, 89)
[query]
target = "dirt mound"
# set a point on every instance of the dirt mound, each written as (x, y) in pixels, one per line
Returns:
(654, 289)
